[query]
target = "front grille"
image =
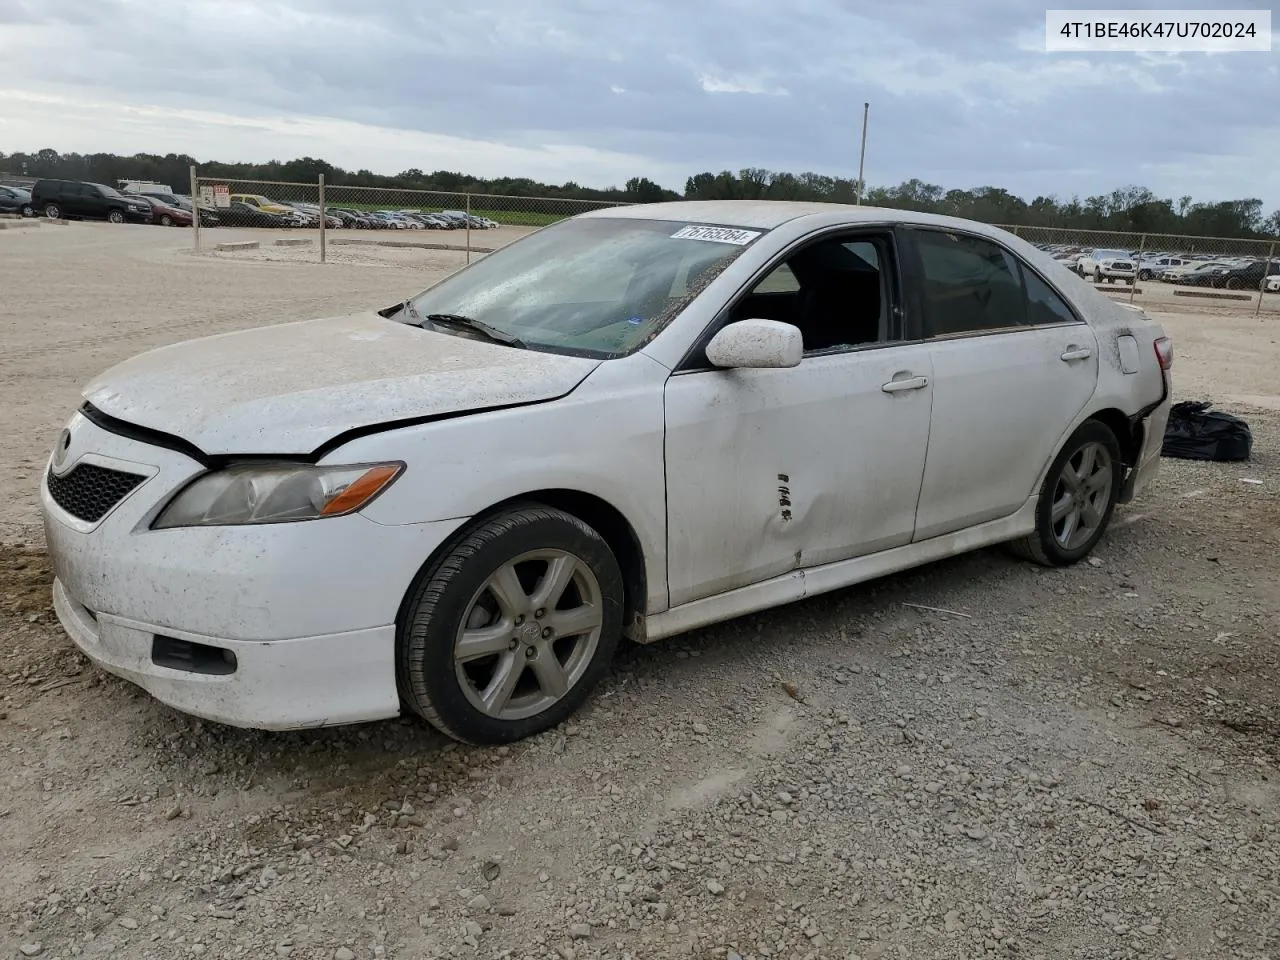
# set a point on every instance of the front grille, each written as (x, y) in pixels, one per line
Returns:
(88, 492)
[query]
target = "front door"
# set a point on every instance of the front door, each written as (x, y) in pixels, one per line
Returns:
(771, 470)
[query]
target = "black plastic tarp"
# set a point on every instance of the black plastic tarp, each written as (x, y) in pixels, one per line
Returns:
(1197, 433)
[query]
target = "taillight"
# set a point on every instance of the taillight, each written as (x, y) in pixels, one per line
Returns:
(1164, 352)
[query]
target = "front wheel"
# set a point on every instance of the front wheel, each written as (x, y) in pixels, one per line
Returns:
(1077, 499)
(166, 221)
(1144, 275)
(508, 633)
(116, 216)
(1097, 276)
(53, 211)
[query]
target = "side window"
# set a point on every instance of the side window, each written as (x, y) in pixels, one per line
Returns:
(779, 280)
(971, 285)
(836, 290)
(1044, 306)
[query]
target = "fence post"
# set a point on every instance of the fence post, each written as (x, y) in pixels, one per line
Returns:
(320, 184)
(1262, 284)
(468, 228)
(195, 209)
(1137, 267)
(1014, 230)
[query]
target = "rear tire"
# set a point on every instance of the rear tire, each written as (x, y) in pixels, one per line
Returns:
(53, 211)
(1077, 498)
(508, 632)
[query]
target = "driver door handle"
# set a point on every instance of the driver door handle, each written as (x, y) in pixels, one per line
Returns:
(1077, 353)
(910, 383)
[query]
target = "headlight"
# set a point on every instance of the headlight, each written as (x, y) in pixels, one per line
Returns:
(275, 493)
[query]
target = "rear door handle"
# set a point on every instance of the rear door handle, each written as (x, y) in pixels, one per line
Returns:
(1077, 353)
(910, 383)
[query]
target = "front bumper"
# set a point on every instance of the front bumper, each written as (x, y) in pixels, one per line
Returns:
(307, 610)
(276, 685)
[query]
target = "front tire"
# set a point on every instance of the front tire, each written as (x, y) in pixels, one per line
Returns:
(1077, 499)
(509, 631)
(53, 211)
(116, 216)
(166, 221)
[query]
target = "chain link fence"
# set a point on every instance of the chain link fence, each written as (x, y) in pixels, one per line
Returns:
(319, 215)
(1157, 269)
(307, 219)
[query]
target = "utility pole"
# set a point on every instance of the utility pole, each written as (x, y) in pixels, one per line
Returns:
(862, 157)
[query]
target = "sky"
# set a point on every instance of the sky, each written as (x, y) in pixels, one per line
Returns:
(962, 94)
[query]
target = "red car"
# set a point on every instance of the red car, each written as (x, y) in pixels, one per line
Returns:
(166, 214)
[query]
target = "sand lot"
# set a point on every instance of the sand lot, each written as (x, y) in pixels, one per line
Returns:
(1069, 764)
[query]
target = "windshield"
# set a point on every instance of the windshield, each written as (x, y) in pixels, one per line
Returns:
(107, 191)
(592, 287)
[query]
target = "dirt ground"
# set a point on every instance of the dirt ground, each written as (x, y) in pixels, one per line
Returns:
(1076, 764)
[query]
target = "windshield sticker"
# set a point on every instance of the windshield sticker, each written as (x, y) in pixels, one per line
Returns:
(716, 234)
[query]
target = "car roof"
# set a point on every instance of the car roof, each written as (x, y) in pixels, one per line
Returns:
(768, 214)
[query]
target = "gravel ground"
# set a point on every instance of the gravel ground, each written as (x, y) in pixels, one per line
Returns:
(1051, 764)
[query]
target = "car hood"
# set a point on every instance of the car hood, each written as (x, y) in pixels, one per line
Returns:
(290, 388)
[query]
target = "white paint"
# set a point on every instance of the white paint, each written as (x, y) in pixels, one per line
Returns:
(1130, 359)
(288, 388)
(777, 478)
(757, 344)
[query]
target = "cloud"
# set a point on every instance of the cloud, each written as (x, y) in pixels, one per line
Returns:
(596, 92)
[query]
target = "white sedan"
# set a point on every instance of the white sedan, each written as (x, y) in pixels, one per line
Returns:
(630, 424)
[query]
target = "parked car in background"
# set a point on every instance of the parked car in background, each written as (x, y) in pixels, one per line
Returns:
(1110, 269)
(1248, 276)
(83, 200)
(167, 214)
(247, 215)
(350, 550)
(263, 203)
(1088, 262)
(208, 215)
(1205, 275)
(16, 200)
(1150, 267)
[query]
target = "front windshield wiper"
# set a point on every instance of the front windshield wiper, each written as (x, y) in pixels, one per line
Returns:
(467, 323)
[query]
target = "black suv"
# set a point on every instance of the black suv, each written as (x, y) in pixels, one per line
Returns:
(78, 200)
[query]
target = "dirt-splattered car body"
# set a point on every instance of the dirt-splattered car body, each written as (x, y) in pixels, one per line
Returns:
(748, 402)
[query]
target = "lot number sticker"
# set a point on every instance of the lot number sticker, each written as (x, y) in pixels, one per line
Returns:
(716, 234)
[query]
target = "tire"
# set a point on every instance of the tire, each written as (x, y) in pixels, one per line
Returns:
(1129, 281)
(53, 211)
(115, 216)
(1045, 546)
(166, 221)
(1097, 276)
(28, 210)
(1144, 275)
(460, 587)
(1233, 283)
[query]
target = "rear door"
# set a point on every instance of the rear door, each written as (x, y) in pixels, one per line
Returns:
(1013, 365)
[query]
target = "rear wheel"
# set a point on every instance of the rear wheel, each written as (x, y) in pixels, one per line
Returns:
(53, 211)
(1233, 283)
(508, 633)
(28, 210)
(1077, 499)
(1144, 275)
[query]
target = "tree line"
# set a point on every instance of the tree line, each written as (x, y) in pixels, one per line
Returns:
(1130, 209)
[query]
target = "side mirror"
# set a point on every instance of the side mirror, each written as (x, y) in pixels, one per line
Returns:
(756, 343)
